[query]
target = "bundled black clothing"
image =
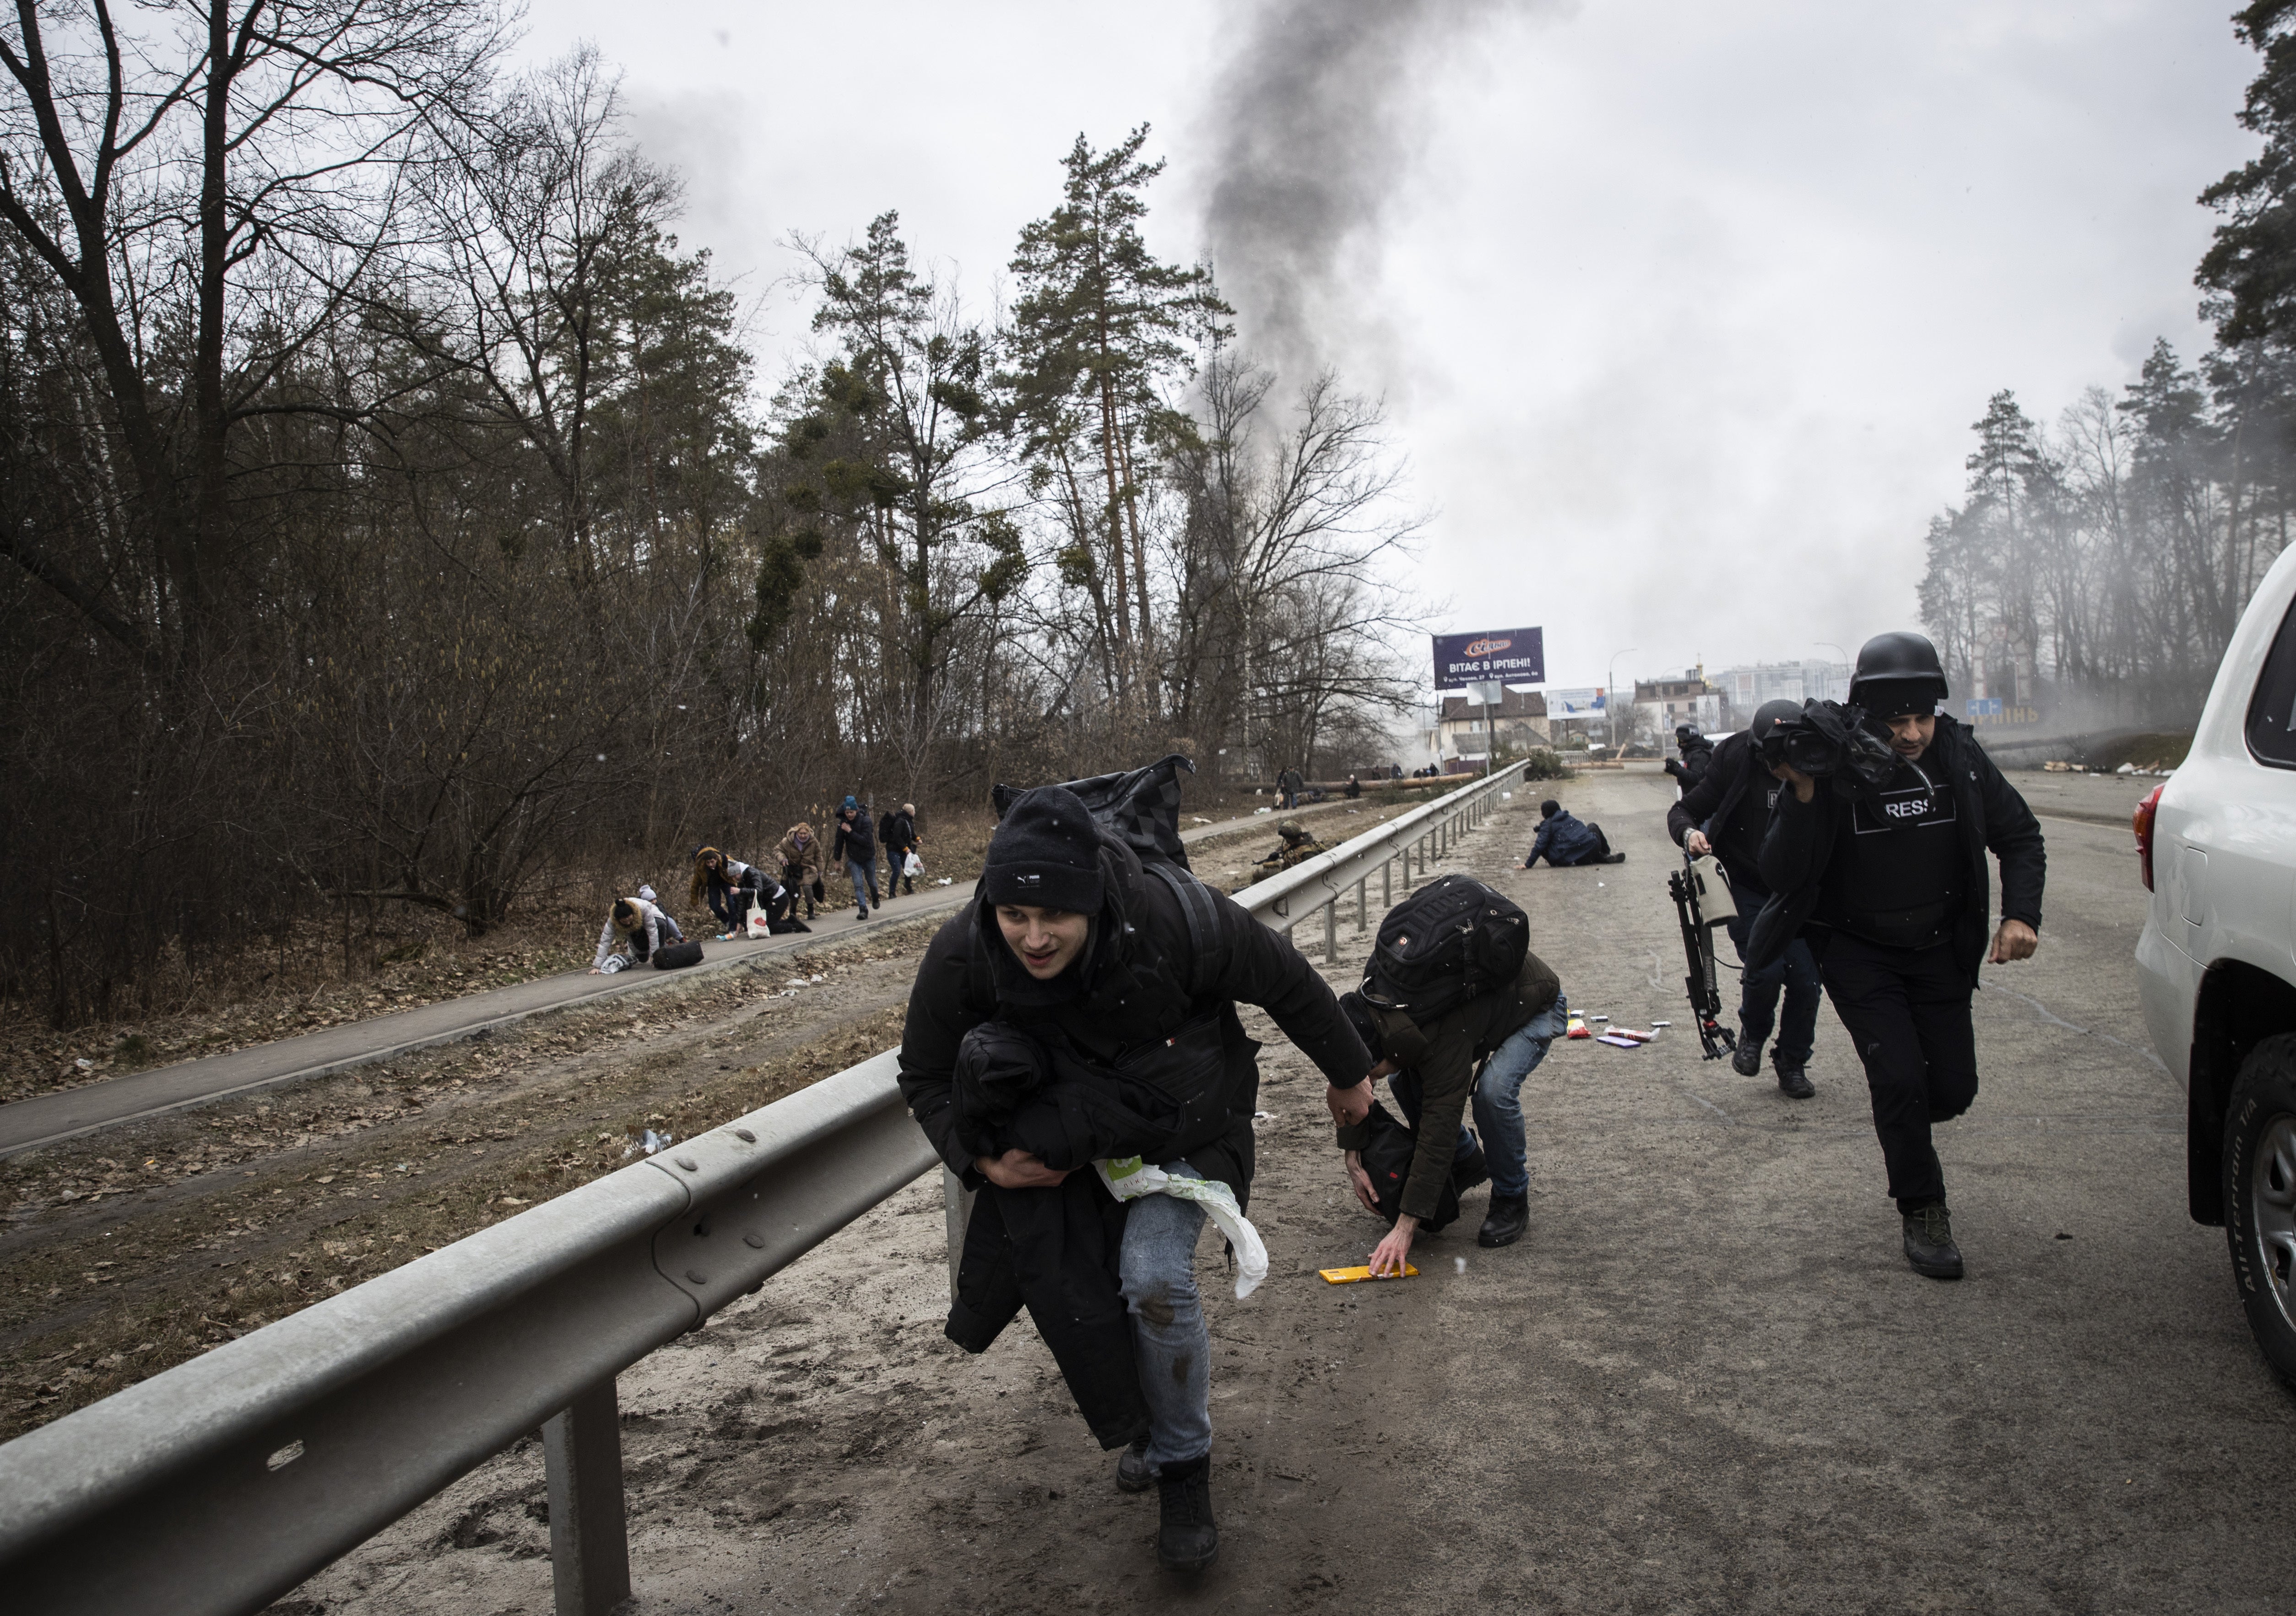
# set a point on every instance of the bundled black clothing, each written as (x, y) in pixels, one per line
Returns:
(1143, 998)
(1890, 885)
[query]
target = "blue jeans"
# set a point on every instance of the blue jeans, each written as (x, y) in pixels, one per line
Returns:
(1498, 1098)
(1757, 999)
(1173, 1348)
(864, 880)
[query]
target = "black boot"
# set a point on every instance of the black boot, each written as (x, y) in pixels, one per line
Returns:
(1746, 1060)
(1793, 1082)
(1509, 1216)
(1929, 1242)
(1186, 1540)
(1134, 1473)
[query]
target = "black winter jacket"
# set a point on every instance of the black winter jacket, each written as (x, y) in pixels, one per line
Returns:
(856, 840)
(1800, 844)
(1138, 991)
(1130, 991)
(1719, 799)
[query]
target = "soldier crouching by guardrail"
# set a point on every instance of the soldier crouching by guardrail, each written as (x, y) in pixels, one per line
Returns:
(1083, 972)
(1877, 854)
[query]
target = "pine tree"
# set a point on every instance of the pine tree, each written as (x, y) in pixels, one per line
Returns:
(1100, 328)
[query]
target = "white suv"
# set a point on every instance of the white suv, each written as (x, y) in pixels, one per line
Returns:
(2216, 843)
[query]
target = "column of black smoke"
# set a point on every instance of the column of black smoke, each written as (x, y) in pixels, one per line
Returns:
(1314, 124)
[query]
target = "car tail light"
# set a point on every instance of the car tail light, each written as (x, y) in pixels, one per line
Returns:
(2142, 821)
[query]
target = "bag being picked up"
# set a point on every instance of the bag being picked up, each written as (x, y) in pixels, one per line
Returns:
(1131, 1179)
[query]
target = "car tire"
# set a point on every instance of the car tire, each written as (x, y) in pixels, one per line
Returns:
(2259, 1197)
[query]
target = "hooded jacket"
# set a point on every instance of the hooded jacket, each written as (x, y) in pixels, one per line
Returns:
(1801, 842)
(1565, 840)
(805, 860)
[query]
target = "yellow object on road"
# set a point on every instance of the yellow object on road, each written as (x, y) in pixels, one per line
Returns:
(1348, 1276)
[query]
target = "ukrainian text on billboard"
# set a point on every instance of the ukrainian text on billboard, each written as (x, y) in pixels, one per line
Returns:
(1512, 656)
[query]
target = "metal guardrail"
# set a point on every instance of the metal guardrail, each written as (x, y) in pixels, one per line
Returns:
(221, 1484)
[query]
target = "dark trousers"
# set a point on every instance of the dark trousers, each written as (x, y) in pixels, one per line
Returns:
(1907, 1011)
(1757, 995)
(897, 871)
(794, 881)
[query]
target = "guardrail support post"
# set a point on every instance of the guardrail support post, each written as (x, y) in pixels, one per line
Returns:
(1362, 905)
(589, 1540)
(958, 1202)
(1332, 930)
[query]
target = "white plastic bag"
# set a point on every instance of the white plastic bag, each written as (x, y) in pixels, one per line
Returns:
(913, 866)
(758, 924)
(1131, 1179)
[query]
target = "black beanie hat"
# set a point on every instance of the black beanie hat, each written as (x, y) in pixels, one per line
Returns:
(1549, 808)
(1045, 854)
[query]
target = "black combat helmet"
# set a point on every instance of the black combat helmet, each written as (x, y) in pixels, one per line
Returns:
(1897, 674)
(1769, 712)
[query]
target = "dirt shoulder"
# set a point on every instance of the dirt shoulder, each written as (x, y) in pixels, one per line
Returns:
(127, 1253)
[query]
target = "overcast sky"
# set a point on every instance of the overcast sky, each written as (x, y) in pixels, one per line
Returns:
(1682, 311)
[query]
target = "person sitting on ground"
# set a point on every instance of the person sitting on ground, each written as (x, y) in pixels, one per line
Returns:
(638, 924)
(1482, 1049)
(1566, 841)
(1355, 788)
(799, 852)
(734, 888)
(898, 834)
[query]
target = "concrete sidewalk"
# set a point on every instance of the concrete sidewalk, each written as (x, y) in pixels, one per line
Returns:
(51, 1119)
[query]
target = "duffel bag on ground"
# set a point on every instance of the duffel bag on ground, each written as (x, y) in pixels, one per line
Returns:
(674, 956)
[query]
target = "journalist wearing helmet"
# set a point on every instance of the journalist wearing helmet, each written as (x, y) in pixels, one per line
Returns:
(1877, 856)
(1724, 813)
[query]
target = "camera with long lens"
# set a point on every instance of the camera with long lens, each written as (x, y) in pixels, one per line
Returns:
(1827, 741)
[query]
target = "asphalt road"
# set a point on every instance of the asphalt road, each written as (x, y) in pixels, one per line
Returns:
(69, 1113)
(1706, 1380)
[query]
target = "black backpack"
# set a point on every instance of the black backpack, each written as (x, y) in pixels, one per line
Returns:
(1452, 940)
(1142, 806)
(1387, 1159)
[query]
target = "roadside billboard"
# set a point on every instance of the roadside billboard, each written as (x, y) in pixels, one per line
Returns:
(1509, 656)
(1586, 703)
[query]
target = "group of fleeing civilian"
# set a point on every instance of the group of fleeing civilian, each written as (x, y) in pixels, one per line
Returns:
(748, 899)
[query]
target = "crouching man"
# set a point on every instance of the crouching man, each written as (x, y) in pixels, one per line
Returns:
(1477, 1052)
(1566, 842)
(1128, 976)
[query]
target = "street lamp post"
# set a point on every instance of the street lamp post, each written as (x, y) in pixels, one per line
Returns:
(1836, 650)
(1611, 692)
